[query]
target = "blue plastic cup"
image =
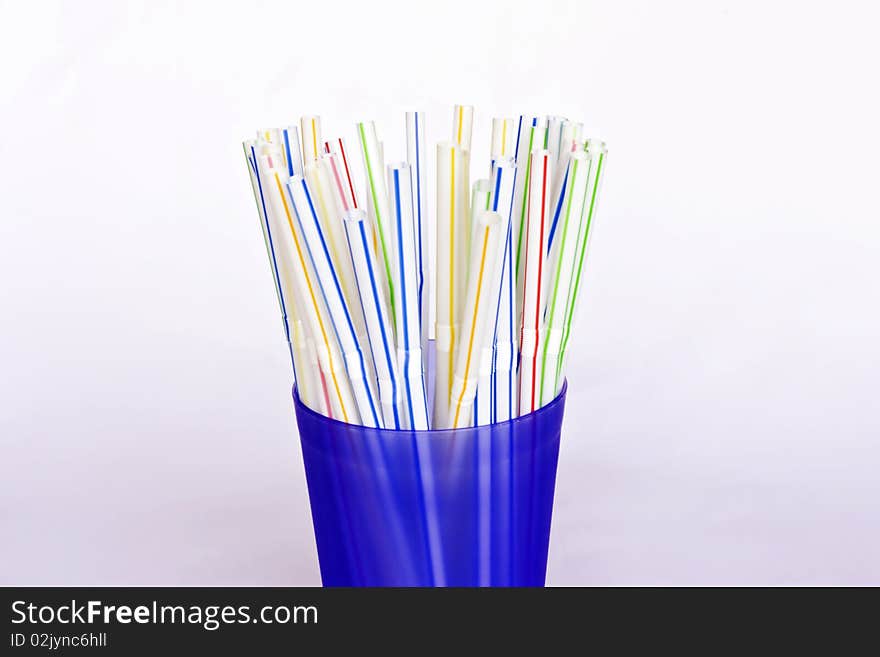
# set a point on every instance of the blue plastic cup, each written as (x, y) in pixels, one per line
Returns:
(462, 507)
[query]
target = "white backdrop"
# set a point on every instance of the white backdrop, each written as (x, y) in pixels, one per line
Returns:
(722, 422)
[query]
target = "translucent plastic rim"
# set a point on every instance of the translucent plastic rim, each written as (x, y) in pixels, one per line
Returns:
(302, 408)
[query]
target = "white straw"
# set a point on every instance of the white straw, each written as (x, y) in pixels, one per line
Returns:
(556, 126)
(463, 125)
(530, 135)
(503, 140)
(292, 150)
(483, 399)
(377, 204)
(416, 156)
(316, 243)
(480, 192)
(414, 400)
(312, 142)
(451, 260)
(343, 174)
(504, 404)
(330, 213)
(560, 269)
(307, 382)
(534, 253)
(597, 164)
(292, 260)
(283, 293)
(478, 316)
(379, 330)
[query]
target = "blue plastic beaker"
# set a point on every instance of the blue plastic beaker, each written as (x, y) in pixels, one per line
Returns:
(462, 507)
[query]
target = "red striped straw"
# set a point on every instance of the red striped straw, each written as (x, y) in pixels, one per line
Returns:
(338, 147)
(537, 229)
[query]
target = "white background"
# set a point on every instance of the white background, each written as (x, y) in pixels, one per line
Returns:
(722, 422)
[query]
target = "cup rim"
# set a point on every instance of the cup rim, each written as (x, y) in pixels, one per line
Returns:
(302, 408)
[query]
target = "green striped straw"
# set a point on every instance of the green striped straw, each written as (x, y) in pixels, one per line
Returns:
(378, 202)
(530, 136)
(561, 273)
(598, 153)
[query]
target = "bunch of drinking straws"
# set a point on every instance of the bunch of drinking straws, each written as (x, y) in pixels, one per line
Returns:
(398, 316)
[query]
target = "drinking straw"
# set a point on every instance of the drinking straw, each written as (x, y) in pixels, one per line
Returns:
(316, 243)
(571, 132)
(426, 223)
(270, 136)
(557, 195)
(553, 140)
(533, 275)
(408, 320)
(569, 143)
(598, 154)
(251, 157)
(292, 150)
(286, 316)
(560, 267)
(330, 215)
(308, 387)
(463, 125)
(481, 303)
(341, 403)
(311, 137)
(377, 204)
(480, 192)
(530, 135)
(483, 394)
(451, 259)
(337, 147)
(503, 139)
(381, 339)
(505, 349)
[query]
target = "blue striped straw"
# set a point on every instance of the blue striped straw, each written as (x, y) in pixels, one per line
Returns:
(257, 184)
(408, 321)
(504, 349)
(294, 271)
(292, 151)
(331, 290)
(376, 315)
(557, 208)
(426, 227)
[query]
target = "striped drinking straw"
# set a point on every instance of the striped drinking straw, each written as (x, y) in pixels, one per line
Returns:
(505, 349)
(560, 267)
(463, 125)
(312, 142)
(503, 140)
(478, 316)
(426, 223)
(337, 148)
(292, 151)
(379, 332)
(533, 275)
(250, 155)
(408, 321)
(282, 289)
(377, 205)
(339, 397)
(480, 193)
(451, 261)
(326, 200)
(330, 287)
(597, 162)
(530, 135)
